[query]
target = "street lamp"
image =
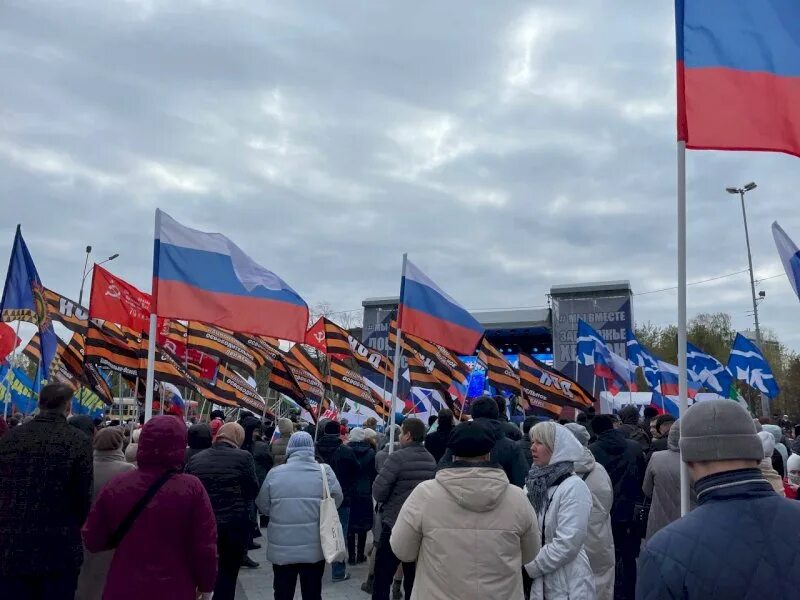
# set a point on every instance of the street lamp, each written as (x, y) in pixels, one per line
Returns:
(86, 273)
(741, 192)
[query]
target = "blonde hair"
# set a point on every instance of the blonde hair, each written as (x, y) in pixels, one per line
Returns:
(544, 433)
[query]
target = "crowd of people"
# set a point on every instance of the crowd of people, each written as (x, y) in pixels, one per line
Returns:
(478, 509)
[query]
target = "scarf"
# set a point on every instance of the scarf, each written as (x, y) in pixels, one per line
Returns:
(540, 479)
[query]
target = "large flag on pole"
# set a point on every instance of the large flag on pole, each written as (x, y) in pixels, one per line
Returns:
(206, 277)
(708, 371)
(428, 312)
(739, 74)
(748, 364)
(24, 300)
(790, 256)
(118, 301)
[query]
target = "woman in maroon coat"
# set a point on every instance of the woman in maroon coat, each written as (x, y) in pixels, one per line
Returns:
(170, 551)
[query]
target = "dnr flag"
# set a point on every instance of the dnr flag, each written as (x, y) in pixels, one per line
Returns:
(351, 386)
(340, 344)
(222, 345)
(546, 390)
(499, 373)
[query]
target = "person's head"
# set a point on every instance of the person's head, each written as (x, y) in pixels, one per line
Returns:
(231, 434)
(793, 469)
(372, 437)
(345, 423)
(431, 420)
(301, 443)
(162, 444)
(217, 414)
(357, 434)
(552, 443)
(484, 408)
(215, 425)
(412, 431)
(582, 418)
(371, 423)
(767, 442)
(528, 424)
(602, 424)
(108, 439)
(471, 442)
(83, 423)
(629, 415)
(445, 419)
(580, 432)
(663, 425)
(199, 436)
(775, 431)
(765, 420)
(285, 426)
(332, 428)
(55, 398)
(501, 405)
(718, 436)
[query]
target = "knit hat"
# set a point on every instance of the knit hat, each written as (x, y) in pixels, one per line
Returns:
(109, 438)
(719, 430)
(767, 442)
(602, 423)
(580, 433)
(331, 427)
(662, 419)
(793, 466)
(233, 433)
(471, 439)
(299, 441)
(358, 435)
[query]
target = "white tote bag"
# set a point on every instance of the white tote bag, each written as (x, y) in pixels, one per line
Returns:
(330, 528)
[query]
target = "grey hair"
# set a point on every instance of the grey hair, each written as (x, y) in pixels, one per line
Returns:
(544, 433)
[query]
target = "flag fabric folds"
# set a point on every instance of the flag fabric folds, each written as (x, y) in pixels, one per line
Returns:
(790, 256)
(544, 388)
(708, 371)
(70, 314)
(592, 350)
(112, 348)
(352, 386)
(117, 301)
(224, 346)
(638, 357)
(339, 343)
(428, 312)
(499, 373)
(748, 364)
(205, 277)
(738, 65)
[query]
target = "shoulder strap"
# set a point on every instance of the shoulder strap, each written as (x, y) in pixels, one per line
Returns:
(137, 509)
(326, 493)
(549, 499)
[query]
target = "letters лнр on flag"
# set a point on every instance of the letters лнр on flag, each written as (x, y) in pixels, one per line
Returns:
(790, 256)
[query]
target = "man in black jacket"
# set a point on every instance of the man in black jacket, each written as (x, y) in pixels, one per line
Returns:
(229, 476)
(345, 466)
(404, 469)
(436, 441)
(45, 493)
(624, 461)
(505, 452)
(512, 431)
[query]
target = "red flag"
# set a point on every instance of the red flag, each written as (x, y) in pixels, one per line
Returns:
(8, 341)
(198, 362)
(315, 337)
(118, 301)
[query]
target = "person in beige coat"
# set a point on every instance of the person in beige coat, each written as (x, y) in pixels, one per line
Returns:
(767, 470)
(468, 530)
(599, 543)
(109, 461)
(133, 447)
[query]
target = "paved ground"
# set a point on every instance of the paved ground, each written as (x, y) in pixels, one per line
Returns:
(256, 584)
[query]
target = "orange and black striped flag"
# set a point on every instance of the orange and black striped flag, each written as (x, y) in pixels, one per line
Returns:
(224, 346)
(543, 385)
(339, 343)
(351, 385)
(307, 377)
(499, 373)
(235, 389)
(67, 312)
(112, 347)
(440, 362)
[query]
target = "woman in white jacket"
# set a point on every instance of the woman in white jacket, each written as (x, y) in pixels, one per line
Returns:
(563, 504)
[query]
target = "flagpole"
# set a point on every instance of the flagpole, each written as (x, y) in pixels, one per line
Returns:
(397, 357)
(682, 337)
(151, 359)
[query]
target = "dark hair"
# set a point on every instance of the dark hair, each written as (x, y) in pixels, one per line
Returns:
(582, 419)
(650, 412)
(217, 413)
(55, 396)
(602, 423)
(445, 419)
(501, 404)
(528, 424)
(415, 427)
(431, 420)
(765, 420)
(666, 418)
(563, 421)
(485, 408)
(332, 428)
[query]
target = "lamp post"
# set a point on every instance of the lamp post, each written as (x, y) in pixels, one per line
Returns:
(86, 273)
(741, 192)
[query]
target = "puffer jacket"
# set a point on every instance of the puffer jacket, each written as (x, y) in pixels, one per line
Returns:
(229, 476)
(404, 470)
(290, 497)
(505, 453)
(599, 544)
(740, 542)
(342, 460)
(278, 447)
(662, 483)
(623, 460)
(469, 532)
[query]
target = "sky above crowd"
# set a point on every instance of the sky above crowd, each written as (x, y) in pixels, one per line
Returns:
(506, 146)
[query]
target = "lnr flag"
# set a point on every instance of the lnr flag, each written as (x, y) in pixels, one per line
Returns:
(205, 277)
(739, 74)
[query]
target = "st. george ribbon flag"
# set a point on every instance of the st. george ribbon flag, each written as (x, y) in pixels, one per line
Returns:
(790, 256)
(748, 364)
(739, 74)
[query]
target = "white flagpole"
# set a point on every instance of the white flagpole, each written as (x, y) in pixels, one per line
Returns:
(682, 375)
(397, 357)
(151, 346)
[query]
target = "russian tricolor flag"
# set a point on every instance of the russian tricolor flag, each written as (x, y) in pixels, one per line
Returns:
(739, 74)
(206, 277)
(427, 311)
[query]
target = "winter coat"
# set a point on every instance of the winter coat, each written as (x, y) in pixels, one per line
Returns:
(436, 442)
(170, 551)
(229, 476)
(740, 542)
(624, 462)
(779, 446)
(45, 495)
(505, 453)
(361, 513)
(107, 465)
(599, 544)
(278, 447)
(469, 532)
(263, 459)
(290, 497)
(130, 451)
(512, 431)
(199, 437)
(405, 469)
(772, 476)
(662, 483)
(332, 451)
(525, 446)
(629, 415)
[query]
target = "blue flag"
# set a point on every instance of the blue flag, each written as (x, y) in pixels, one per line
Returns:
(790, 256)
(23, 300)
(748, 364)
(708, 370)
(639, 357)
(17, 388)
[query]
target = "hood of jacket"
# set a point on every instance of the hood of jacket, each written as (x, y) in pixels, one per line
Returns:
(285, 426)
(775, 431)
(329, 442)
(566, 447)
(135, 435)
(613, 441)
(476, 488)
(629, 415)
(199, 436)
(767, 442)
(115, 455)
(162, 444)
(674, 437)
(360, 448)
(585, 464)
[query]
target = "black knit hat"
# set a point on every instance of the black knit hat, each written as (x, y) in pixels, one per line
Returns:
(471, 439)
(331, 427)
(602, 423)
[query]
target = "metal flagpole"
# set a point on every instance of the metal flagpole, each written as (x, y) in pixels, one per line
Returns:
(10, 367)
(151, 345)
(396, 377)
(682, 374)
(119, 392)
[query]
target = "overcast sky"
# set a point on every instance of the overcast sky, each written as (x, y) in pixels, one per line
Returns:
(507, 146)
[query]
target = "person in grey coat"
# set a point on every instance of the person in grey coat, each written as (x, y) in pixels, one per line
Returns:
(290, 497)
(278, 447)
(662, 483)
